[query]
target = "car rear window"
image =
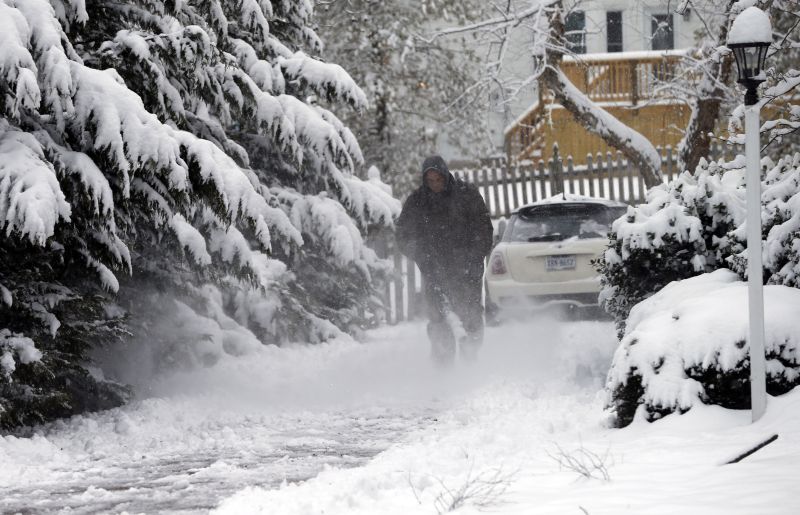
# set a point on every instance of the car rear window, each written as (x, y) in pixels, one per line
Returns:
(559, 222)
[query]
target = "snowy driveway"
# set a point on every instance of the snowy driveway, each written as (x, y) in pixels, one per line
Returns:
(89, 469)
(372, 428)
(282, 415)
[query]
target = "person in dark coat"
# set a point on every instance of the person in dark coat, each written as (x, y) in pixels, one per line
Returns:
(446, 230)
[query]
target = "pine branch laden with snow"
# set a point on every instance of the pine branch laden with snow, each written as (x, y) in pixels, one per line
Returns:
(328, 225)
(15, 348)
(687, 344)
(31, 200)
(156, 141)
(329, 81)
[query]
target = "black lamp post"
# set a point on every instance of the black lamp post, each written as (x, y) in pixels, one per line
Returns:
(749, 38)
(750, 59)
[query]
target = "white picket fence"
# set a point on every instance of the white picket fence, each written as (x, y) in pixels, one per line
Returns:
(506, 188)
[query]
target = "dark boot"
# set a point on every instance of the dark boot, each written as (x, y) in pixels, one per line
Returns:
(443, 343)
(468, 345)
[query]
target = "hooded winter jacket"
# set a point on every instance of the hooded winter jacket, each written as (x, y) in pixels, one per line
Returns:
(450, 231)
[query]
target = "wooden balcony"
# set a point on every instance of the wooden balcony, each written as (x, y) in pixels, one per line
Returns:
(624, 84)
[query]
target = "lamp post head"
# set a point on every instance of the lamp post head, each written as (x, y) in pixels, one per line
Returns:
(749, 38)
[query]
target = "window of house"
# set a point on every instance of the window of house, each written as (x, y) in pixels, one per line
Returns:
(661, 32)
(614, 31)
(575, 32)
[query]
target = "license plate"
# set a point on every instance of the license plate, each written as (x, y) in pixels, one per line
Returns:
(564, 262)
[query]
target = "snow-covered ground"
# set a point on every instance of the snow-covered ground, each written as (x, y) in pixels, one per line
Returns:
(373, 428)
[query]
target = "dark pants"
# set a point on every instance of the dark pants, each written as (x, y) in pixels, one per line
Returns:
(459, 293)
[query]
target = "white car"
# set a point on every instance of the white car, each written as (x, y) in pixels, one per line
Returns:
(545, 252)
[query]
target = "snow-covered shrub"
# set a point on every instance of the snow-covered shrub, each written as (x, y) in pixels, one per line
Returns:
(149, 146)
(680, 231)
(688, 344)
(683, 342)
(780, 220)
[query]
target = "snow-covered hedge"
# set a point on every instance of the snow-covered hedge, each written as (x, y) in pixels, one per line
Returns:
(695, 224)
(780, 220)
(688, 344)
(670, 357)
(679, 232)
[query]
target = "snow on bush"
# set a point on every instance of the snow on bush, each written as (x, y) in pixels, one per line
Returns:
(688, 344)
(681, 230)
(695, 224)
(780, 219)
(16, 348)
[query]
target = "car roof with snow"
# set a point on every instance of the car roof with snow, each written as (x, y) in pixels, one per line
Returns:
(571, 198)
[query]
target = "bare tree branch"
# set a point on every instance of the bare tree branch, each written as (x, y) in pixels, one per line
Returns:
(583, 461)
(696, 142)
(482, 490)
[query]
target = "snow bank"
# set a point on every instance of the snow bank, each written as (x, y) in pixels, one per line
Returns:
(687, 344)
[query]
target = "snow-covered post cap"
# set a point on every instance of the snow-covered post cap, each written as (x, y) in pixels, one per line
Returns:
(751, 26)
(749, 38)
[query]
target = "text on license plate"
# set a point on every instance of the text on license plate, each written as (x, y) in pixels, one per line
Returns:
(562, 262)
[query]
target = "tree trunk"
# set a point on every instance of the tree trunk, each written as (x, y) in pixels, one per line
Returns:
(696, 142)
(635, 147)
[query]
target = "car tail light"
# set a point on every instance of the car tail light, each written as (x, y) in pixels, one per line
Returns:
(497, 265)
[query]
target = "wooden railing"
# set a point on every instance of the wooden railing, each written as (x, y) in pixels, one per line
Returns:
(629, 79)
(625, 79)
(529, 133)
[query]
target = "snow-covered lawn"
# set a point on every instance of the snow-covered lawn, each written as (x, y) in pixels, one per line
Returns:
(373, 428)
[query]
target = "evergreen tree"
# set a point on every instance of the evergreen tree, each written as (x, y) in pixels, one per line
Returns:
(171, 157)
